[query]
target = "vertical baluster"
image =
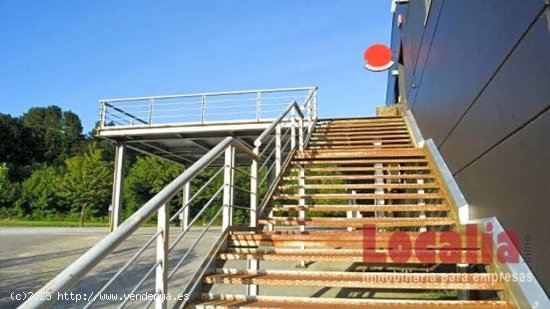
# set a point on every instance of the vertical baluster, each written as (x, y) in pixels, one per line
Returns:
(258, 105)
(151, 109)
(227, 188)
(203, 109)
(184, 215)
(253, 264)
(161, 278)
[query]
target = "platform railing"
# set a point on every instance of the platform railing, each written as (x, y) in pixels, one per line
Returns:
(199, 108)
(273, 150)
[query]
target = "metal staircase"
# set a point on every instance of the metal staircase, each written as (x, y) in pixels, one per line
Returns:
(353, 175)
(332, 211)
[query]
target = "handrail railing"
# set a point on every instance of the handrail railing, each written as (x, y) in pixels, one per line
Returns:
(158, 204)
(273, 151)
(199, 108)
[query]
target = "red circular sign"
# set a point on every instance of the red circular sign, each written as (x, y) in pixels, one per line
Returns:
(378, 57)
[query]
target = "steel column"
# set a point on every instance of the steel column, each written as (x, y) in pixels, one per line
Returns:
(116, 198)
(184, 215)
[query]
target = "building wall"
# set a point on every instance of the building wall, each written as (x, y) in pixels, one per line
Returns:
(477, 79)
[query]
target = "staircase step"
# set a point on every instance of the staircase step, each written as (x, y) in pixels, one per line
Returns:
(368, 280)
(220, 301)
(358, 196)
(355, 186)
(332, 142)
(336, 255)
(385, 145)
(360, 120)
(359, 126)
(344, 239)
(362, 131)
(364, 169)
(362, 177)
(361, 208)
(361, 153)
(374, 135)
(358, 161)
(359, 222)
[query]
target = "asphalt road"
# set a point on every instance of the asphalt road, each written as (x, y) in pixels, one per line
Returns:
(30, 257)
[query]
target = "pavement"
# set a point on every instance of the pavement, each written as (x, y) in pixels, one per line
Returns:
(31, 256)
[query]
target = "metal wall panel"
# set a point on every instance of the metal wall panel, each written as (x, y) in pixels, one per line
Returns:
(471, 41)
(518, 92)
(425, 47)
(511, 182)
(413, 29)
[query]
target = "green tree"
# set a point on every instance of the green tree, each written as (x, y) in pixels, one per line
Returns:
(145, 178)
(8, 191)
(16, 148)
(87, 183)
(40, 193)
(57, 133)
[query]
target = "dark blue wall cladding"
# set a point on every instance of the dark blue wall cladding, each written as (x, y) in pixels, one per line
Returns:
(511, 182)
(525, 80)
(471, 41)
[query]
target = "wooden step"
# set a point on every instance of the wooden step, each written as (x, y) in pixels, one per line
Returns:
(343, 239)
(339, 255)
(359, 161)
(360, 120)
(373, 146)
(361, 208)
(331, 142)
(364, 169)
(367, 280)
(374, 135)
(363, 131)
(358, 196)
(359, 222)
(361, 153)
(357, 186)
(362, 177)
(220, 301)
(350, 127)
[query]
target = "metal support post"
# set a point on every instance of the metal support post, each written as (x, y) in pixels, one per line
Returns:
(379, 181)
(116, 198)
(301, 134)
(161, 278)
(254, 190)
(203, 109)
(184, 215)
(293, 130)
(463, 294)
(278, 150)
(150, 115)
(302, 203)
(350, 213)
(232, 188)
(227, 188)
(258, 106)
(421, 202)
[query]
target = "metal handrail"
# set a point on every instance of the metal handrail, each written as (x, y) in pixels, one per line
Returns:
(269, 130)
(149, 110)
(209, 94)
(295, 119)
(78, 269)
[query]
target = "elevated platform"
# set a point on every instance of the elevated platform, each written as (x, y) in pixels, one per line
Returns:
(182, 128)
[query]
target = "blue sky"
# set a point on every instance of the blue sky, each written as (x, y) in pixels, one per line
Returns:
(72, 53)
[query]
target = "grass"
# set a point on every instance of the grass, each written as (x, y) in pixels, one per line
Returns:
(60, 223)
(50, 223)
